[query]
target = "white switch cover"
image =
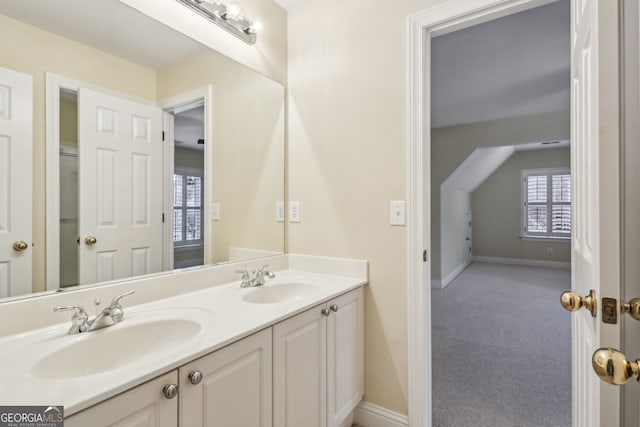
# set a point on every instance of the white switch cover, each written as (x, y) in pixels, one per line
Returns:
(280, 211)
(214, 211)
(294, 211)
(398, 212)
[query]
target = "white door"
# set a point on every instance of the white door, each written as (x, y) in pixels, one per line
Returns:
(467, 237)
(120, 187)
(345, 356)
(16, 178)
(300, 370)
(142, 406)
(592, 267)
(234, 387)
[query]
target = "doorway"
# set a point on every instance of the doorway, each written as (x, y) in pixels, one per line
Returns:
(504, 81)
(188, 186)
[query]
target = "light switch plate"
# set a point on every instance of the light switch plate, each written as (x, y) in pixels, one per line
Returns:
(214, 211)
(280, 211)
(294, 211)
(398, 208)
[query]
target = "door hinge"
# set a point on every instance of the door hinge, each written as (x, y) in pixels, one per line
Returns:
(163, 135)
(424, 256)
(163, 218)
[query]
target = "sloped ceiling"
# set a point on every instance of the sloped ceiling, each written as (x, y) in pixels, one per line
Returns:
(512, 66)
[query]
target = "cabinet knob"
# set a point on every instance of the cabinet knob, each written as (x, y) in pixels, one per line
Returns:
(334, 307)
(170, 391)
(195, 377)
(326, 312)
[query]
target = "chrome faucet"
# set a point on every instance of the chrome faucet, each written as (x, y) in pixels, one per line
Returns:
(108, 317)
(256, 278)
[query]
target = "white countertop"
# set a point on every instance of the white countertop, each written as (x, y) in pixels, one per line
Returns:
(226, 316)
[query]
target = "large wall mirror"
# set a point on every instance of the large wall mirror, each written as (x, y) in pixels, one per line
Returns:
(151, 152)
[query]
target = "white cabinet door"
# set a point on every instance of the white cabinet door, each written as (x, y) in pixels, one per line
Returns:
(318, 364)
(299, 370)
(235, 389)
(16, 148)
(345, 356)
(120, 168)
(143, 406)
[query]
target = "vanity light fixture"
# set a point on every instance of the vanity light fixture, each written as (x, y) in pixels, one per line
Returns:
(229, 17)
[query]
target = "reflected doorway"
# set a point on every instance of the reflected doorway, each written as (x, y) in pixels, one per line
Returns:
(188, 186)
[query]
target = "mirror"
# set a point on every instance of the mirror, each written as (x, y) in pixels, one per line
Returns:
(212, 192)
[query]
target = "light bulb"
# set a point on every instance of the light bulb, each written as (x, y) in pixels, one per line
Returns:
(255, 27)
(233, 10)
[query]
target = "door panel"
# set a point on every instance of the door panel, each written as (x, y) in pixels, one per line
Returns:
(596, 175)
(16, 177)
(122, 158)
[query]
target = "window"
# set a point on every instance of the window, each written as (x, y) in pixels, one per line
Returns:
(188, 195)
(546, 203)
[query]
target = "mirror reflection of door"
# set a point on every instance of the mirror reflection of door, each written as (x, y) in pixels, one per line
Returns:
(110, 214)
(16, 146)
(188, 186)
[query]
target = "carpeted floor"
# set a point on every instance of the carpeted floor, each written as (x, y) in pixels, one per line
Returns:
(502, 348)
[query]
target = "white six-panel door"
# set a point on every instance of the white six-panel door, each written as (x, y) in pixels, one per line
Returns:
(588, 178)
(120, 187)
(16, 177)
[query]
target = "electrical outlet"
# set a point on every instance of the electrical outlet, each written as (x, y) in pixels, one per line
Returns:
(280, 211)
(294, 211)
(398, 212)
(214, 211)
(550, 251)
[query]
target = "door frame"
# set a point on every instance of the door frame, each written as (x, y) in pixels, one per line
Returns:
(435, 21)
(54, 83)
(202, 94)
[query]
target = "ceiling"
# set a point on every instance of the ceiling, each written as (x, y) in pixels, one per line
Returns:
(189, 128)
(106, 25)
(288, 4)
(512, 66)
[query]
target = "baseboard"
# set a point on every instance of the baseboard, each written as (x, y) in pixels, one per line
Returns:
(456, 271)
(523, 262)
(370, 415)
(436, 284)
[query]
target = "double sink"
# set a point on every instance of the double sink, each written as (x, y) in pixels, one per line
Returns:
(148, 335)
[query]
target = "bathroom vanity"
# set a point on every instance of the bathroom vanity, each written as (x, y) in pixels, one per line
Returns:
(287, 353)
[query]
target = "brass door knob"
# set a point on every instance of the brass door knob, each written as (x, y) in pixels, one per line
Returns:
(90, 240)
(614, 367)
(20, 246)
(632, 308)
(573, 302)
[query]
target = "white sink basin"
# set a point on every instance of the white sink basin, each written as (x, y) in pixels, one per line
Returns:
(141, 337)
(281, 292)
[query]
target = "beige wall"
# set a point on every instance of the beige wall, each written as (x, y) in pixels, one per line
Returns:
(36, 52)
(496, 206)
(247, 149)
(450, 146)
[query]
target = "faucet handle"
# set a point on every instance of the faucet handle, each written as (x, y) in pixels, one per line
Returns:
(79, 311)
(245, 273)
(79, 320)
(116, 301)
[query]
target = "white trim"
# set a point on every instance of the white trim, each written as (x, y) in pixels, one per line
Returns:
(523, 262)
(203, 93)
(455, 273)
(447, 17)
(370, 415)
